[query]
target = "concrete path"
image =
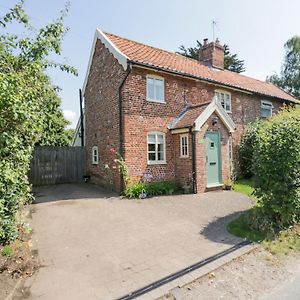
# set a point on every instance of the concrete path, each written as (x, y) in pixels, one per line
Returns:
(94, 245)
(289, 290)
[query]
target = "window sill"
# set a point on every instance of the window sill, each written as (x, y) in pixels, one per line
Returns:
(150, 163)
(156, 101)
(184, 156)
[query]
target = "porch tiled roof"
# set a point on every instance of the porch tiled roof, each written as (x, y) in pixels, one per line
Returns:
(168, 61)
(188, 117)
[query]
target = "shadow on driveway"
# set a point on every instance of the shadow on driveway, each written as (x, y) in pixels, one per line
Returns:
(58, 192)
(216, 231)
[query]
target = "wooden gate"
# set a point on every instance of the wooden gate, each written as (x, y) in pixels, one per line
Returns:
(51, 165)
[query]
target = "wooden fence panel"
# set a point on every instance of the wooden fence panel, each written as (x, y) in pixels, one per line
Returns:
(52, 165)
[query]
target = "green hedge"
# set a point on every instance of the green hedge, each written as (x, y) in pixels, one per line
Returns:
(276, 166)
(29, 109)
(151, 189)
(247, 145)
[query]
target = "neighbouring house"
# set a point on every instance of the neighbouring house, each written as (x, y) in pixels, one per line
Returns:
(170, 117)
(77, 141)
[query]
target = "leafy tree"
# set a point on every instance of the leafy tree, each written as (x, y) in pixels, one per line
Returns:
(289, 77)
(191, 52)
(231, 61)
(69, 133)
(54, 126)
(28, 108)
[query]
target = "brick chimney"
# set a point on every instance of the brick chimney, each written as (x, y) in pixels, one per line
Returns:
(212, 54)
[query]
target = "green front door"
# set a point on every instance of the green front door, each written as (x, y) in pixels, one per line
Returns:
(213, 162)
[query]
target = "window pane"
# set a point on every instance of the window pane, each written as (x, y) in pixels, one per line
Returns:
(151, 147)
(160, 156)
(160, 147)
(159, 89)
(151, 139)
(227, 102)
(151, 156)
(266, 113)
(150, 88)
(160, 139)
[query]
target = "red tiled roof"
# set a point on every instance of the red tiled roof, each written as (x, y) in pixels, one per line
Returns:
(168, 61)
(188, 117)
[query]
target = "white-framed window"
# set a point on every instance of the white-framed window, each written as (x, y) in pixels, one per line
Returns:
(266, 108)
(184, 145)
(156, 148)
(95, 155)
(224, 99)
(155, 88)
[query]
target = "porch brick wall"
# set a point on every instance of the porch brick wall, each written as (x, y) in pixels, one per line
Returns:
(201, 152)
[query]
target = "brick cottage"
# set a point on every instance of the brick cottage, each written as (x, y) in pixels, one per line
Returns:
(170, 117)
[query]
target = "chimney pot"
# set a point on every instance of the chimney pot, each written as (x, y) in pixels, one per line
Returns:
(205, 41)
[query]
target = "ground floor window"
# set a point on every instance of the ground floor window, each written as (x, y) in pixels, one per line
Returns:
(184, 145)
(95, 155)
(156, 148)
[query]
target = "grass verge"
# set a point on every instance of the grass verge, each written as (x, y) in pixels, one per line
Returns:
(287, 241)
(244, 186)
(240, 228)
(283, 244)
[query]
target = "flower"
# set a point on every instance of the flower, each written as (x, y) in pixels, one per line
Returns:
(112, 151)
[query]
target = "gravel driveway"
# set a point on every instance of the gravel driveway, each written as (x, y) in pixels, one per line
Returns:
(95, 245)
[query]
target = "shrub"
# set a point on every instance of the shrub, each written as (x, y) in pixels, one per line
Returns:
(7, 251)
(276, 166)
(247, 146)
(151, 189)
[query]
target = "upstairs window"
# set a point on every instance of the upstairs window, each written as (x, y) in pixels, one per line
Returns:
(266, 109)
(95, 155)
(156, 148)
(224, 99)
(184, 145)
(155, 89)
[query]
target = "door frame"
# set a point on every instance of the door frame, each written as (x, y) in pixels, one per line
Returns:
(219, 160)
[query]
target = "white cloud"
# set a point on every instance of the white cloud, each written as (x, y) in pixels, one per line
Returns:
(70, 116)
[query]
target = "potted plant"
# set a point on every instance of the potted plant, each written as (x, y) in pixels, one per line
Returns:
(186, 189)
(228, 183)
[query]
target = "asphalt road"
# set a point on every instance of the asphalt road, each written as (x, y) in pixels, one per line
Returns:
(289, 290)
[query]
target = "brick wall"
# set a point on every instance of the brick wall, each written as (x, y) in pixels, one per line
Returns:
(201, 152)
(102, 116)
(141, 117)
(183, 165)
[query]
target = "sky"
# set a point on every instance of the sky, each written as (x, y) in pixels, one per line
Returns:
(254, 29)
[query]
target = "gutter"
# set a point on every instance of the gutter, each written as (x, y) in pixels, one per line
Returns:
(193, 160)
(121, 117)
